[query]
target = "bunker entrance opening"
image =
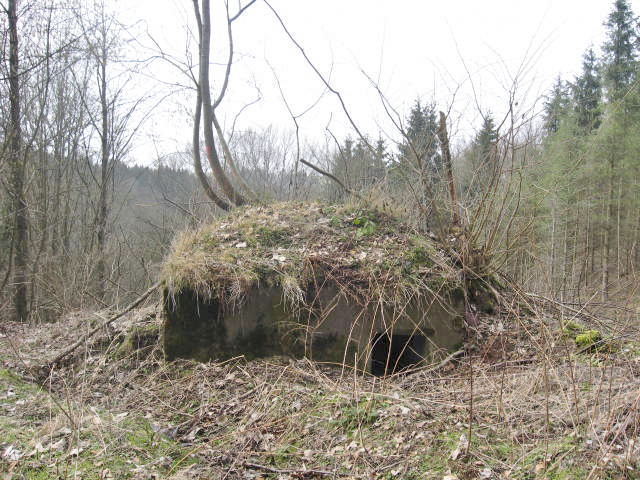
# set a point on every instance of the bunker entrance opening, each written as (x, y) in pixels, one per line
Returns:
(396, 353)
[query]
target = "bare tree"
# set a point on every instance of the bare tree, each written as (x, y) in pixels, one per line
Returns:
(111, 117)
(205, 110)
(17, 166)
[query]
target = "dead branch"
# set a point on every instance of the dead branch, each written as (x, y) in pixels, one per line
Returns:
(332, 177)
(231, 162)
(297, 473)
(322, 78)
(444, 362)
(294, 118)
(581, 312)
(107, 322)
(446, 158)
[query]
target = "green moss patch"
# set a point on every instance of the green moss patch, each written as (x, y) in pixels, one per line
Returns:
(588, 338)
(141, 338)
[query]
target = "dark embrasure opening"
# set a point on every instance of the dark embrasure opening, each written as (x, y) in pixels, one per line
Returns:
(395, 353)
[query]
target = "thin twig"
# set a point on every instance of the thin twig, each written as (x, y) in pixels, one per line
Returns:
(322, 79)
(266, 468)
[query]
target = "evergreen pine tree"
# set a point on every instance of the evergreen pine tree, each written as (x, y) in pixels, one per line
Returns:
(619, 50)
(587, 93)
(378, 164)
(486, 138)
(481, 158)
(420, 149)
(556, 106)
(357, 166)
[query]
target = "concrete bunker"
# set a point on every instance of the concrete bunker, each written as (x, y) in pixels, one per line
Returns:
(341, 284)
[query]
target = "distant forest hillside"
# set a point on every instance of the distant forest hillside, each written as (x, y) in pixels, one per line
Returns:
(548, 193)
(147, 207)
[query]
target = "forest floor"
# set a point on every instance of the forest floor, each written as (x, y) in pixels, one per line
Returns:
(526, 403)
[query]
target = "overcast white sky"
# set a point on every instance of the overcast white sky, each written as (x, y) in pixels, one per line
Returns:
(412, 48)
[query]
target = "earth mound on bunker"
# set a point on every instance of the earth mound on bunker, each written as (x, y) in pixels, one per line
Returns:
(329, 282)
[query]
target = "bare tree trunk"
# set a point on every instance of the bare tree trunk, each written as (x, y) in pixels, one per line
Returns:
(552, 259)
(606, 244)
(19, 203)
(565, 261)
(573, 263)
(618, 232)
(204, 25)
(592, 236)
(635, 251)
(231, 162)
(101, 218)
(583, 277)
(111, 122)
(197, 163)
(446, 159)
(42, 221)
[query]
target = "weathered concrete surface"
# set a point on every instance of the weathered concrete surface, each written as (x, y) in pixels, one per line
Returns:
(329, 328)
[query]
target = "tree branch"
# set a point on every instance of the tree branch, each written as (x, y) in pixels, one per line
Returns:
(197, 163)
(230, 161)
(204, 27)
(332, 177)
(325, 81)
(266, 468)
(115, 317)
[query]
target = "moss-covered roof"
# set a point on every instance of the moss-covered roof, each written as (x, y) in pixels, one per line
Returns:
(288, 244)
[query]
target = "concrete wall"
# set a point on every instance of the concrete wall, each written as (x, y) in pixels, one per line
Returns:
(330, 328)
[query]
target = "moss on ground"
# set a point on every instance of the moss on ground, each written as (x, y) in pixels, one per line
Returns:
(140, 338)
(104, 416)
(201, 418)
(588, 338)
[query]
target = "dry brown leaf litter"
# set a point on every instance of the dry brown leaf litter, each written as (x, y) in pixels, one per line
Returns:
(538, 411)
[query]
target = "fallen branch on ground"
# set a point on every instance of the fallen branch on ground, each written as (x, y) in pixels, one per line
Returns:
(280, 471)
(110, 320)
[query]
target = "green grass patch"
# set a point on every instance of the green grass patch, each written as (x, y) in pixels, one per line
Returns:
(359, 414)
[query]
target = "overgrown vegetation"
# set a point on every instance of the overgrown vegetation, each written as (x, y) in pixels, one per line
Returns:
(369, 253)
(586, 223)
(559, 414)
